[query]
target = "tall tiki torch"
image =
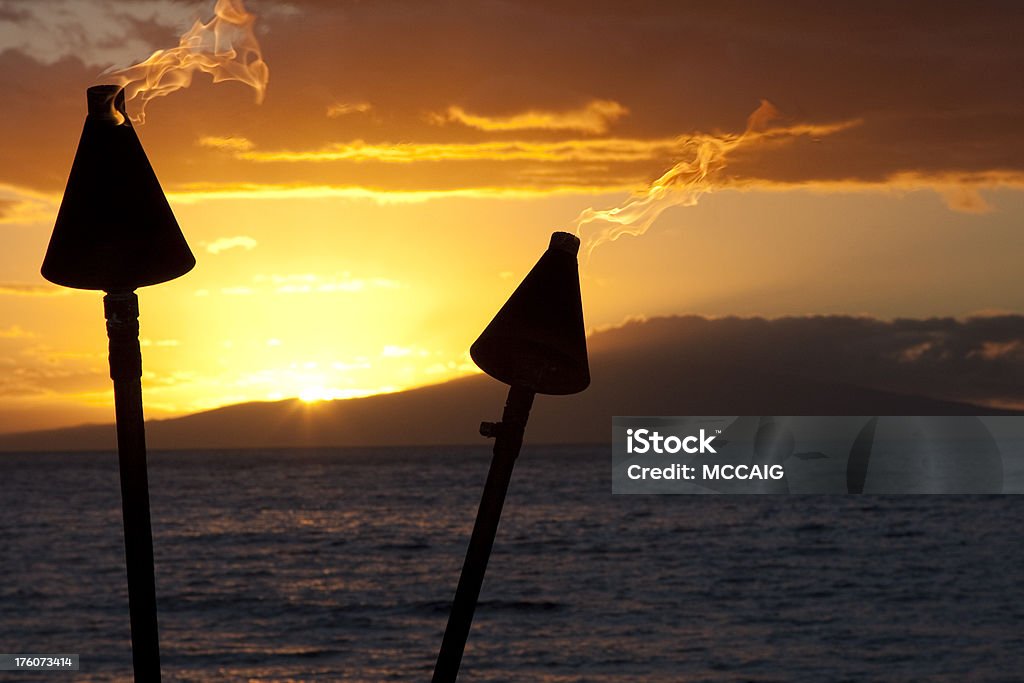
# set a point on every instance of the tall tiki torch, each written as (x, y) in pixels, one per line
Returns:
(115, 232)
(535, 344)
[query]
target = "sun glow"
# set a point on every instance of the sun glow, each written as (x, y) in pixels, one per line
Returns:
(315, 394)
(318, 394)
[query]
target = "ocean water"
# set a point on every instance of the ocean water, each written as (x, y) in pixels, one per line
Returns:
(338, 565)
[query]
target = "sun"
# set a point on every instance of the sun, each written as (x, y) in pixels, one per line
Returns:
(315, 394)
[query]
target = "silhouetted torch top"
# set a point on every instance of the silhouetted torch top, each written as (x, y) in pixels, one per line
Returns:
(537, 339)
(535, 344)
(115, 230)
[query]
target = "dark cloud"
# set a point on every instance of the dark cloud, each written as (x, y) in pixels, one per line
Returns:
(10, 12)
(937, 87)
(30, 289)
(977, 360)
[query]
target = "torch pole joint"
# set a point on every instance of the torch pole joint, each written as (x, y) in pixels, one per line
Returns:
(121, 310)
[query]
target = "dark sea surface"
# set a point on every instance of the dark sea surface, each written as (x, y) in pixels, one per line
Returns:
(339, 565)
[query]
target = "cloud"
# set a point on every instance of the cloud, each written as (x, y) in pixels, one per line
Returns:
(594, 166)
(978, 359)
(935, 92)
(965, 199)
(225, 243)
(534, 185)
(338, 109)
(193, 193)
(31, 289)
(558, 151)
(15, 332)
(97, 32)
(22, 205)
(37, 370)
(961, 192)
(607, 149)
(229, 143)
(535, 169)
(996, 350)
(595, 117)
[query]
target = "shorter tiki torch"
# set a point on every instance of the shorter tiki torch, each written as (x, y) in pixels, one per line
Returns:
(535, 344)
(115, 232)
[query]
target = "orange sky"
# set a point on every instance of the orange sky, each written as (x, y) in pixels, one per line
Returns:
(356, 230)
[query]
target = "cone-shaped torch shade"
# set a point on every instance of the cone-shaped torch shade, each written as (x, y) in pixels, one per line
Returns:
(115, 230)
(537, 340)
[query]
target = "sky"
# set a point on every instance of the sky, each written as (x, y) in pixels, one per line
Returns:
(357, 226)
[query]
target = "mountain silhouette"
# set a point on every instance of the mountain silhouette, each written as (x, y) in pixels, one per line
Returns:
(665, 366)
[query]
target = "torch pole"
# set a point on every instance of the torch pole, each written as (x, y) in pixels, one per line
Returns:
(508, 439)
(122, 313)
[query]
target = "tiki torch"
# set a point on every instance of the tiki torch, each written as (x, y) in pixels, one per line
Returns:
(115, 232)
(535, 344)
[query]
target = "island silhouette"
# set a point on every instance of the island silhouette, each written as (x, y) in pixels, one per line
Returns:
(663, 366)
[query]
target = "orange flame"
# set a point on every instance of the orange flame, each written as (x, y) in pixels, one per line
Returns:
(681, 185)
(225, 47)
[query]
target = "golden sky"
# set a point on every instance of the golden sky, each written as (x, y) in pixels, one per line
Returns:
(359, 227)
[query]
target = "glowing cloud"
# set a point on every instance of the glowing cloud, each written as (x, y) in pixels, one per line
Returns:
(200, 192)
(15, 332)
(31, 289)
(609, 149)
(230, 143)
(344, 108)
(23, 205)
(595, 117)
(225, 243)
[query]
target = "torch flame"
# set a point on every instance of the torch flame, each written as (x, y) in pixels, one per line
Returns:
(681, 185)
(225, 47)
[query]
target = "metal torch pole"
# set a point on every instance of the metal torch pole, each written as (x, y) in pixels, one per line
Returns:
(122, 313)
(508, 439)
